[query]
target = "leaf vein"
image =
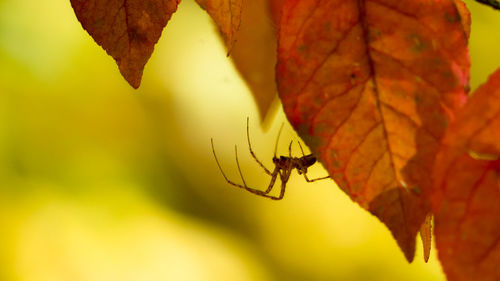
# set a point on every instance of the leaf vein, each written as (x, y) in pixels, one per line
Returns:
(335, 132)
(322, 63)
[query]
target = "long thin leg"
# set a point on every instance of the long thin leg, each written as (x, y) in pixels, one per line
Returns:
(238, 164)
(282, 191)
(277, 139)
(217, 161)
(301, 149)
(253, 154)
(290, 149)
(254, 191)
(257, 191)
(305, 176)
(284, 176)
(312, 180)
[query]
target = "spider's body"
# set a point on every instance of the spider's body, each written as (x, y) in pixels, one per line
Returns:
(283, 166)
(300, 163)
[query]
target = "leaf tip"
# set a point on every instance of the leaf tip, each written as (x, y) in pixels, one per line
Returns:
(133, 76)
(409, 255)
(134, 83)
(426, 236)
(390, 207)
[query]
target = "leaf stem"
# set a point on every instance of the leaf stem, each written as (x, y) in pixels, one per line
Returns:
(492, 3)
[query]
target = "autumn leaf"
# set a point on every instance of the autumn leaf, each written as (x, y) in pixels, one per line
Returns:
(467, 195)
(227, 15)
(126, 29)
(249, 34)
(371, 87)
(254, 53)
(464, 15)
(275, 7)
(426, 236)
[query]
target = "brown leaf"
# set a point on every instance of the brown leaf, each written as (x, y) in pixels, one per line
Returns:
(227, 16)
(467, 190)
(426, 236)
(371, 87)
(254, 53)
(126, 29)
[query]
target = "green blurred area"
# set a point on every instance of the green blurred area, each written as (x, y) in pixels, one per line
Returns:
(102, 182)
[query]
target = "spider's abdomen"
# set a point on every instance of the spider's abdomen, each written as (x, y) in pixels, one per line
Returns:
(308, 160)
(281, 161)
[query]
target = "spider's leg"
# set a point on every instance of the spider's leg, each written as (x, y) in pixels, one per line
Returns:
(277, 139)
(290, 149)
(305, 176)
(301, 149)
(253, 154)
(312, 180)
(274, 175)
(220, 168)
(285, 176)
(238, 164)
(253, 190)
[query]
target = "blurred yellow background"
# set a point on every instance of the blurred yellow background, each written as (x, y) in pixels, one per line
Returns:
(102, 182)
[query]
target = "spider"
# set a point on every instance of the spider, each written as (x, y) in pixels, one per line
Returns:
(283, 166)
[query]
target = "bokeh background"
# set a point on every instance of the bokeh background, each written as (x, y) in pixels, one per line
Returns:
(102, 182)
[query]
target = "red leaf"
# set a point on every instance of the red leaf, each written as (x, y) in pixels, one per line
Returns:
(227, 16)
(371, 87)
(467, 178)
(126, 29)
(464, 15)
(276, 6)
